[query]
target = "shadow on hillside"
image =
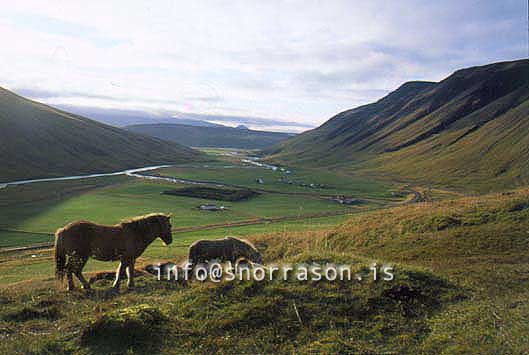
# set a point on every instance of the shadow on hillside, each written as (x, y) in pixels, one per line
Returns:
(24, 202)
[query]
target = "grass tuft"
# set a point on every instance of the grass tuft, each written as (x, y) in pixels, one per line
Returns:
(135, 327)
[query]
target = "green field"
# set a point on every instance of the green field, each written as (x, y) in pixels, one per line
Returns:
(31, 213)
(111, 204)
(335, 183)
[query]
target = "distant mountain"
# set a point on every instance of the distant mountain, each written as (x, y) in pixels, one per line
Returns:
(128, 117)
(122, 118)
(471, 129)
(40, 141)
(220, 137)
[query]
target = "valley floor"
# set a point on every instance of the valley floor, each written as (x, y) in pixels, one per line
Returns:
(31, 213)
(461, 269)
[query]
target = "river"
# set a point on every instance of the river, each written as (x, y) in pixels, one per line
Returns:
(129, 172)
(136, 173)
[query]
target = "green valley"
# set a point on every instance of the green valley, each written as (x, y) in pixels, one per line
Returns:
(469, 132)
(430, 182)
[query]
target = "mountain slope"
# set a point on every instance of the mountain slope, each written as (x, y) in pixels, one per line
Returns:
(470, 128)
(220, 137)
(40, 141)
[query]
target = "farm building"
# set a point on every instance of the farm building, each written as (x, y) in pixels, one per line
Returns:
(209, 207)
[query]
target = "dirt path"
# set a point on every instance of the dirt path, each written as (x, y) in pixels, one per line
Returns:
(414, 197)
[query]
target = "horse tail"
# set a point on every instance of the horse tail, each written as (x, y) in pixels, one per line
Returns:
(60, 255)
(192, 254)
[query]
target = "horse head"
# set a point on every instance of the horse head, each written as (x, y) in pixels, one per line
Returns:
(165, 229)
(244, 248)
(256, 257)
(252, 253)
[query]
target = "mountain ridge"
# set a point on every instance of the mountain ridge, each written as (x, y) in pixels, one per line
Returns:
(403, 133)
(124, 117)
(40, 141)
(212, 137)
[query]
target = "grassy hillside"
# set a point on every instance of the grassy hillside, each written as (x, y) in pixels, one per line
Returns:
(40, 141)
(460, 287)
(470, 130)
(220, 137)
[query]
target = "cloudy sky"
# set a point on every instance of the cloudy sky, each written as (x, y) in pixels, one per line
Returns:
(296, 63)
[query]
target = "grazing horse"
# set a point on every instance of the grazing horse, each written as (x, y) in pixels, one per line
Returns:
(125, 242)
(227, 249)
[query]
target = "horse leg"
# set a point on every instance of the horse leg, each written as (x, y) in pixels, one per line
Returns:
(69, 276)
(119, 274)
(130, 274)
(78, 272)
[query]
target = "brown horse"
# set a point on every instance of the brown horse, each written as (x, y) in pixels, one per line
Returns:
(124, 242)
(227, 249)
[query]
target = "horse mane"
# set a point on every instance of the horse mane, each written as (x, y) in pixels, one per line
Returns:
(143, 223)
(244, 241)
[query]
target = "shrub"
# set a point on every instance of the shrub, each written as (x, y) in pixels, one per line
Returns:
(211, 193)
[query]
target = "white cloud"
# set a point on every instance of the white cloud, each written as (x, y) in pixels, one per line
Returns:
(292, 60)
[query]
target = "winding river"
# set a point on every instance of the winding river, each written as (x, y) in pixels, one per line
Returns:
(136, 172)
(130, 172)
